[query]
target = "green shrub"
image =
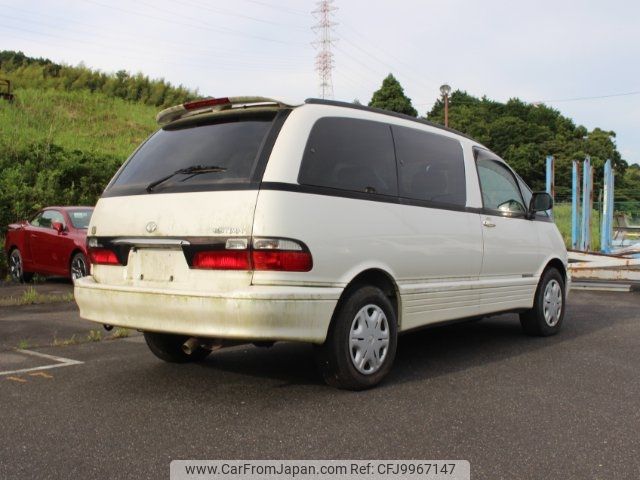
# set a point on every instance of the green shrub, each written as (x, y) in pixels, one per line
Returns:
(41, 174)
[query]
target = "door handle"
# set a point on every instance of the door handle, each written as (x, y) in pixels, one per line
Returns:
(488, 223)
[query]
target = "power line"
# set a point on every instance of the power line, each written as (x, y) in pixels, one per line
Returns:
(236, 56)
(417, 76)
(281, 8)
(109, 48)
(233, 60)
(595, 97)
(539, 102)
(233, 14)
(99, 30)
(391, 68)
(203, 27)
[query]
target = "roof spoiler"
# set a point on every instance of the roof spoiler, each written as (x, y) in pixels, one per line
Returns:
(212, 104)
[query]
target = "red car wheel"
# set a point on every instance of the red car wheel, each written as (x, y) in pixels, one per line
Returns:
(16, 268)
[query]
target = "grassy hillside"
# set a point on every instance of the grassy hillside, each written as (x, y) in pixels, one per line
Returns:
(59, 147)
(76, 120)
(62, 147)
(69, 129)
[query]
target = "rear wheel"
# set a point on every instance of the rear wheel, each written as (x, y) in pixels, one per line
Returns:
(168, 347)
(547, 314)
(79, 267)
(16, 267)
(361, 344)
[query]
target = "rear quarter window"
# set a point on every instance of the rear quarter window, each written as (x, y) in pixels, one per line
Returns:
(350, 154)
(430, 166)
(80, 218)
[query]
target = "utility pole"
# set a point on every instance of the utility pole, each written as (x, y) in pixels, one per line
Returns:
(445, 90)
(324, 59)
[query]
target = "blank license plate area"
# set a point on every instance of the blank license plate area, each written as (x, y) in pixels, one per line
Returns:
(157, 265)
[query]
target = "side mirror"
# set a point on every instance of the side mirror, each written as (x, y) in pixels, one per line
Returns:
(540, 202)
(58, 227)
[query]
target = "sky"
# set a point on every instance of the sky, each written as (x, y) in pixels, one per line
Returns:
(556, 52)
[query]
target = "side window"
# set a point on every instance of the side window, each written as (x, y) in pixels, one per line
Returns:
(526, 191)
(50, 216)
(500, 190)
(350, 154)
(430, 166)
(35, 221)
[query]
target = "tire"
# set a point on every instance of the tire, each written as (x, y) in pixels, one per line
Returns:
(346, 359)
(547, 314)
(78, 266)
(168, 347)
(16, 267)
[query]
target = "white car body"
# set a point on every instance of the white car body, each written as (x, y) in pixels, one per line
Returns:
(444, 264)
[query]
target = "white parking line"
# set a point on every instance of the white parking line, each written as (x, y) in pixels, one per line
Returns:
(61, 362)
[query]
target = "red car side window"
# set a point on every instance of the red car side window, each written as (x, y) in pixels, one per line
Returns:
(51, 216)
(35, 221)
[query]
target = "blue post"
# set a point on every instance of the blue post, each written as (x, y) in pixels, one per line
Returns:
(607, 214)
(575, 205)
(550, 177)
(612, 185)
(586, 210)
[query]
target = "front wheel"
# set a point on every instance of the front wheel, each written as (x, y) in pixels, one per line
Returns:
(547, 314)
(168, 347)
(16, 268)
(361, 344)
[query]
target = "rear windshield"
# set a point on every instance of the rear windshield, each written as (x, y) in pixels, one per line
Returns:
(231, 146)
(80, 218)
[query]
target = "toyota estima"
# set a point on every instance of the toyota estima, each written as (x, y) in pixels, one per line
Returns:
(245, 220)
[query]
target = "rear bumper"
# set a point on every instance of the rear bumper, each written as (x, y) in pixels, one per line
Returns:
(255, 313)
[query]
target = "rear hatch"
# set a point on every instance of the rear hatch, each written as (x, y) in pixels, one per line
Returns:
(191, 187)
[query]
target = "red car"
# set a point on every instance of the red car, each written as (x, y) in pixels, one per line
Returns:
(51, 243)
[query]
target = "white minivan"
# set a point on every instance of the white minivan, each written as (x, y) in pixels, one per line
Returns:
(246, 220)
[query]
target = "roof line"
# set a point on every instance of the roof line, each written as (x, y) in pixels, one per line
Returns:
(336, 103)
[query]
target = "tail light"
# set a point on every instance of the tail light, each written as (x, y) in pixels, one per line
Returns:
(103, 256)
(280, 254)
(100, 254)
(272, 254)
(222, 260)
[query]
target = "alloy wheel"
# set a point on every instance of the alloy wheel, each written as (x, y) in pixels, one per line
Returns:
(15, 266)
(78, 267)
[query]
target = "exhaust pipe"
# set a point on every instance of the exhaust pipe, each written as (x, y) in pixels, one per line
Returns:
(190, 346)
(108, 328)
(193, 344)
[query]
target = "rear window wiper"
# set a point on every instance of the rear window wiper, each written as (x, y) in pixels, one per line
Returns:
(191, 171)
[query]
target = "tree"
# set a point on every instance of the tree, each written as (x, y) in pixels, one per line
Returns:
(524, 134)
(41, 73)
(391, 97)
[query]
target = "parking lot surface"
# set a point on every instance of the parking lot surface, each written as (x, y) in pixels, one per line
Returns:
(516, 407)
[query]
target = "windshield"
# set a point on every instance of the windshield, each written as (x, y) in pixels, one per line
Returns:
(80, 218)
(232, 145)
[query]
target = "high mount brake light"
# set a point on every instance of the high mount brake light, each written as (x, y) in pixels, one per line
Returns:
(207, 102)
(194, 107)
(264, 254)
